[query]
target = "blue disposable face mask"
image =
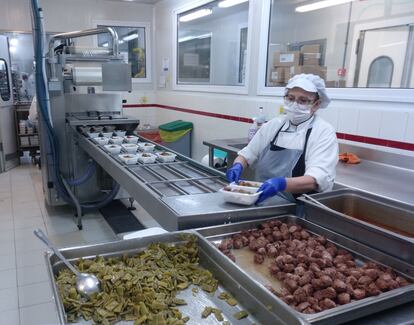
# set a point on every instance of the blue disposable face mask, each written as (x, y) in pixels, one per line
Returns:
(298, 113)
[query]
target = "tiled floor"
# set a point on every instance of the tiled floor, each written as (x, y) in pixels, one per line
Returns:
(25, 292)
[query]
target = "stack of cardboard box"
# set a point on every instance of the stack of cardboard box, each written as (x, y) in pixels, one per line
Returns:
(288, 64)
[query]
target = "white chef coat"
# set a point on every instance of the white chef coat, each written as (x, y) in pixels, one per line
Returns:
(321, 154)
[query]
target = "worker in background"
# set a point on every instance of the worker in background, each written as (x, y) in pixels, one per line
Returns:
(296, 153)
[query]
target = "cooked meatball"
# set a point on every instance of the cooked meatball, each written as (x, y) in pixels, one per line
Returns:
(290, 284)
(299, 270)
(304, 234)
(289, 268)
(226, 244)
(237, 243)
(332, 251)
(372, 289)
(401, 281)
(270, 238)
(343, 298)
(321, 240)
(372, 273)
(308, 289)
(339, 286)
(364, 280)
(272, 251)
(308, 310)
(277, 235)
(302, 306)
(300, 295)
(325, 293)
(351, 280)
(261, 251)
(327, 303)
(289, 299)
(259, 258)
(359, 294)
(231, 256)
(267, 231)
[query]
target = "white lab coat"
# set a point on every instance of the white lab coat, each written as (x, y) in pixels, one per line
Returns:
(321, 154)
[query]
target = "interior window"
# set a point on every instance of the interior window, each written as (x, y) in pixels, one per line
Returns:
(339, 40)
(380, 72)
(131, 47)
(212, 44)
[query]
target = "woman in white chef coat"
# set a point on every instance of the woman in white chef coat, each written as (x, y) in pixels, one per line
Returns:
(296, 153)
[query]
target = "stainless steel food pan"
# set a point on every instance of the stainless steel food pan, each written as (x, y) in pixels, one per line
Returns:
(388, 225)
(249, 295)
(340, 314)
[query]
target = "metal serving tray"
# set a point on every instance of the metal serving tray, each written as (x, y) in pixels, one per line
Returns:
(249, 295)
(340, 314)
(375, 209)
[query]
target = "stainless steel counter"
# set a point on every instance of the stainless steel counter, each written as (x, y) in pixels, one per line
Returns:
(380, 173)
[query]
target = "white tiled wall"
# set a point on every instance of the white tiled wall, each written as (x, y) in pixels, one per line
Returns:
(369, 123)
(393, 125)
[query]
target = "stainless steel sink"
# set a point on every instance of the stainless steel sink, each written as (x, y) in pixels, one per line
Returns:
(238, 145)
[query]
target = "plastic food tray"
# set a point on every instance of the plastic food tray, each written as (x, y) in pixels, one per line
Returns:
(240, 198)
(101, 140)
(129, 147)
(131, 138)
(113, 148)
(147, 160)
(170, 157)
(129, 159)
(146, 146)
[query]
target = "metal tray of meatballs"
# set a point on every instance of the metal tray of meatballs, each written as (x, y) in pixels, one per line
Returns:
(173, 278)
(379, 222)
(325, 277)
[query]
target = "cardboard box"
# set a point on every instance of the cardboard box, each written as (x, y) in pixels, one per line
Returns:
(312, 48)
(284, 59)
(298, 69)
(335, 84)
(277, 75)
(311, 58)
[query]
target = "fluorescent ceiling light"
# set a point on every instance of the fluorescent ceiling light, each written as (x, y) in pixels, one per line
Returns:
(321, 5)
(121, 41)
(191, 37)
(14, 41)
(105, 44)
(195, 15)
(130, 37)
(230, 3)
(12, 49)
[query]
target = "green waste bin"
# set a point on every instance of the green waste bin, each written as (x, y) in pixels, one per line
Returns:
(176, 135)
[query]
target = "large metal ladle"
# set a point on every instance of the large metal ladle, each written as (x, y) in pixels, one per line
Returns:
(319, 203)
(86, 283)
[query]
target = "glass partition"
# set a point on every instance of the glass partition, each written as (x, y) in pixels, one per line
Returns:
(212, 44)
(342, 41)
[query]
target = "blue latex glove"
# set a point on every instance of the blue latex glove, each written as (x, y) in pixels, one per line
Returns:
(234, 172)
(271, 187)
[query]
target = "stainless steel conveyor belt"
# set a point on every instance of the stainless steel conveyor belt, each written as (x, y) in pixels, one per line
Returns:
(181, 194)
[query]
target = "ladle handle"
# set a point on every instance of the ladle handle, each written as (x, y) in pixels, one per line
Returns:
(319, 203)
(40, 234)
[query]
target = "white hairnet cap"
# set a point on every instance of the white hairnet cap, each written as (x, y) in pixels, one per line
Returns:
(311, 83)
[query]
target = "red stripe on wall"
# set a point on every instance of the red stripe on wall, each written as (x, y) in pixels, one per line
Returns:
(342, 136)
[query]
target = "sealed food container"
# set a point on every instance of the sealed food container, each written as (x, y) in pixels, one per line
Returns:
(131, 138)
(101, 140)
(165, 156)
(113, 148)
(128, 158)
(146, 146)
(240, 195)
(130, 147)
(147, 158)
(382, 223)
(120, 133)
(117, 140)
(210, 289)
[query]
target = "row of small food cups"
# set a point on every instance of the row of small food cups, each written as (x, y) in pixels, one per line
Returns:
(116, 139)
(147, 157)
(118, 133)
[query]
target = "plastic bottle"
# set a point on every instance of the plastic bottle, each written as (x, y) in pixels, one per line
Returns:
(252, 130)
(261, 119)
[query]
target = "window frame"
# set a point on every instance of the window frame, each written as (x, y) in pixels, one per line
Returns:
(148, 36)
(241, 89)
(360, 94)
